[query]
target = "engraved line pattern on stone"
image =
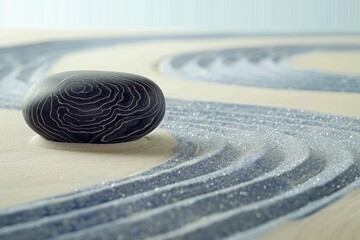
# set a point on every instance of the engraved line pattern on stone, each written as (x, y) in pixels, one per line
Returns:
(109, 107)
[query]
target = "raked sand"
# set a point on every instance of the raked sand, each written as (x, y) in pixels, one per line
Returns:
(344, 215)
(33, 168)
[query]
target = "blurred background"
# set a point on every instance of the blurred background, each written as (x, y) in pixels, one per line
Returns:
(243, 15)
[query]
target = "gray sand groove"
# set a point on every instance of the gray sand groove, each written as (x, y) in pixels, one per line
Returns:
(266, 67)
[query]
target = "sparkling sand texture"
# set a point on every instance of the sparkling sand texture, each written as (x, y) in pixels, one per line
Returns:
(237, 170)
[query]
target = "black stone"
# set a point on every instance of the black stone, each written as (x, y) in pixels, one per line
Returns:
(94, 107)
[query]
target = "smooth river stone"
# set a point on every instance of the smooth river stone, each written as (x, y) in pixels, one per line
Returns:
(94, 107)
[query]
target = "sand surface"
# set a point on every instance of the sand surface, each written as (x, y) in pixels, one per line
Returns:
(332, 62)
(33, 168)
(343, 216)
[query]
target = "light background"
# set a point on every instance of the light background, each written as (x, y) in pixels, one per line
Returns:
(249, 15)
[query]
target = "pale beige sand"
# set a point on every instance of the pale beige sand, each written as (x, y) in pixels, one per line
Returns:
(32, 167)
(340, 220)
(143, 58)
(329, 61)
